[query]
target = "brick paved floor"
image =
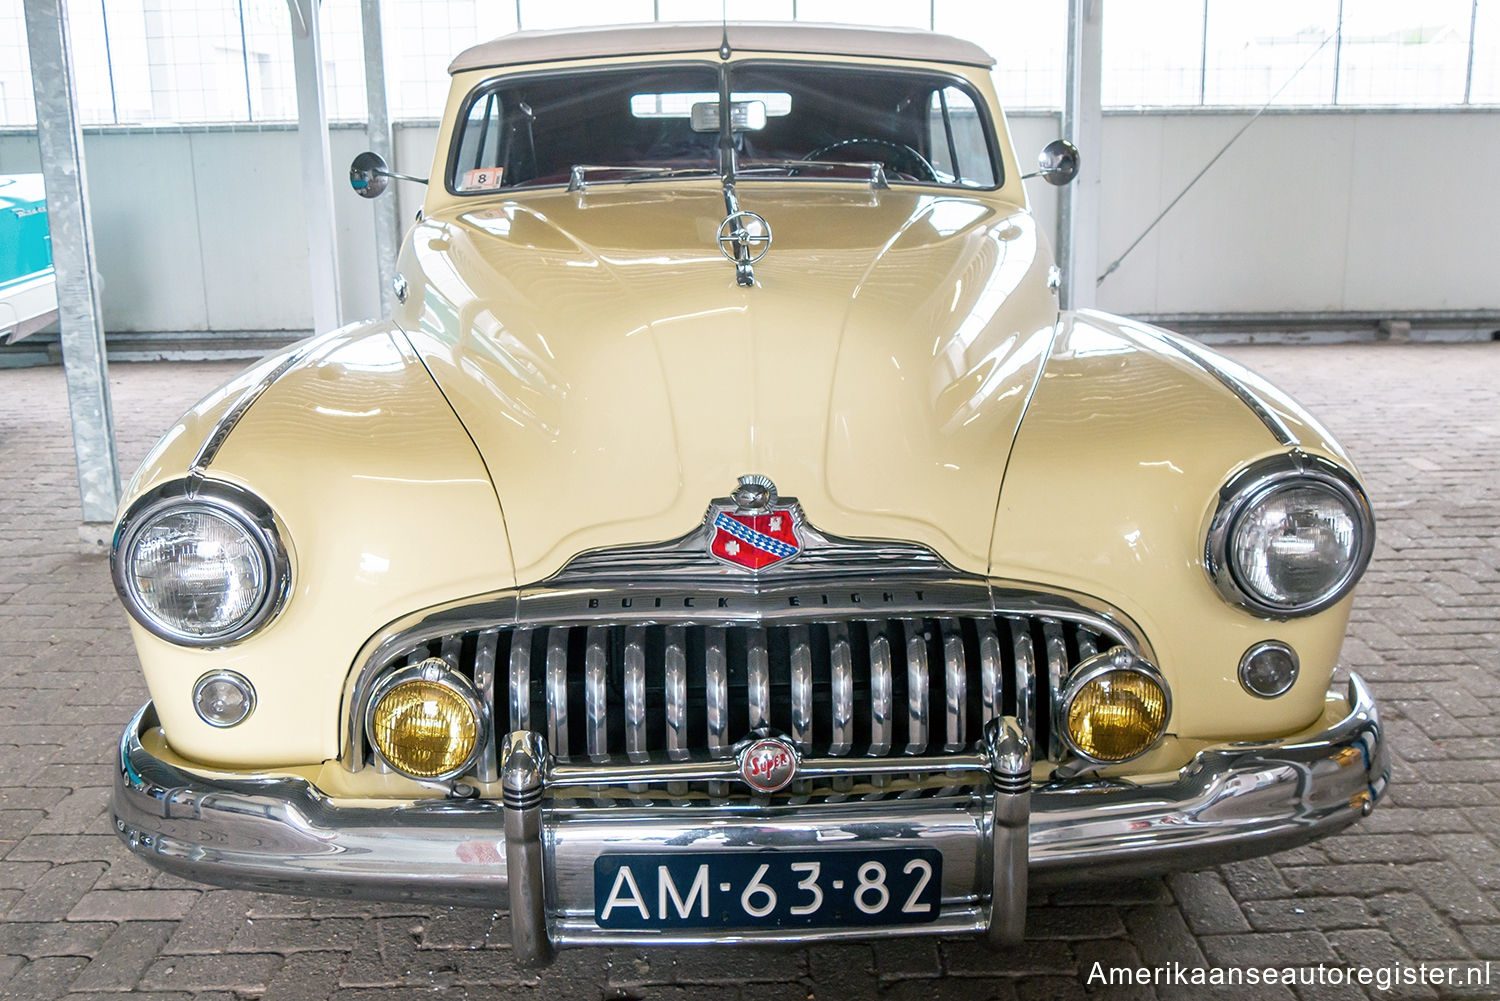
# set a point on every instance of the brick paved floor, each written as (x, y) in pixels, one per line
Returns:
(1419, 881)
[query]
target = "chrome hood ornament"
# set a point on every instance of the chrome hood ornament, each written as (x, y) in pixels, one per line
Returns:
(744, 238)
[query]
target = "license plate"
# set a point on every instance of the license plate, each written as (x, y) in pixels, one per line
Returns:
(768, 889)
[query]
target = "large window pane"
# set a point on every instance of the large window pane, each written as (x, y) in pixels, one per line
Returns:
(897, 13)
(421, 39)
(1153, 52)
(1255, 50)
(17, 105)
(1027, 39)
(576, 13)
(738, 10)
(1404, 53)
(1486, 86)
(86, 31)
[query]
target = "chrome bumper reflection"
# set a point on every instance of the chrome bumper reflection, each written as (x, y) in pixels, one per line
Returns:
(536, 859)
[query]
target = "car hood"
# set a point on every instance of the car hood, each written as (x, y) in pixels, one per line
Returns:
(615, 378)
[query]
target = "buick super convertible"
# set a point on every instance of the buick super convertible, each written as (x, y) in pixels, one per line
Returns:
(728, 538)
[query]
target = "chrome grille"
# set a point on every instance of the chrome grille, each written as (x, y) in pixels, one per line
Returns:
(855, 687)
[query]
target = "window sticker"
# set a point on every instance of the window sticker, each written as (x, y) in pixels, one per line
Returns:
(484, 179)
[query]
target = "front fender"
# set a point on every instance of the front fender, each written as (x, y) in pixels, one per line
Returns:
(1114, 475)
(385, 506)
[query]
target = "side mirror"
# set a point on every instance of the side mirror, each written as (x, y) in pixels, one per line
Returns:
(1057, 163)
(368, 175)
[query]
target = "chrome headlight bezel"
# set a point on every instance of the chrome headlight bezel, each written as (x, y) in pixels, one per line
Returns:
(1255, 484)
(226, 501)
(437, 671)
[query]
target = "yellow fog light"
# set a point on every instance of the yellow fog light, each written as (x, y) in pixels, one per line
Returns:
(425, 721)
(1115, 707)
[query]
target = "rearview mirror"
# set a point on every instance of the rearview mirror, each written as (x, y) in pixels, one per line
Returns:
(1057, 163)
(368, 175)
(744, 116)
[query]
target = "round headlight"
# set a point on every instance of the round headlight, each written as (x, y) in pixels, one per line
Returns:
(201, 569)
(1291, 537)
(425, 721)
(1115, 707)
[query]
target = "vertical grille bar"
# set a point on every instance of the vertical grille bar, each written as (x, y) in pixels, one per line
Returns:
(1057, 672)
(880, 693)
(557, 691)
(916, 687)
(520, 680)
(990, 692)
(635, 694)
(486, 649)
(1086, 645)
(1025, 664)
(450, 649)
(955, 685)
(802, 687)
(758, 676)
(596, 691)
(716, 698)
(841, 661)
(675, 656)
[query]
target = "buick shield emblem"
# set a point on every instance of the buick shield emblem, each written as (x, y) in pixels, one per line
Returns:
(753, 530)
(768, 764)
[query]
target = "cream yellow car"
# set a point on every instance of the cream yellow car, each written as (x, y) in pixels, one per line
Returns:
(728, 539)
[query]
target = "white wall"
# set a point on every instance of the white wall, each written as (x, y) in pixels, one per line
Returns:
(1323, 211)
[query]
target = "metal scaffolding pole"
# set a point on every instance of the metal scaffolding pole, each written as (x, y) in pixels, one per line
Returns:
(317, 169)
(378, 134)
(60, 139)
(1083, 125)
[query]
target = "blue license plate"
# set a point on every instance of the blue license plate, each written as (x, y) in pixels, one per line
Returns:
(768, 889)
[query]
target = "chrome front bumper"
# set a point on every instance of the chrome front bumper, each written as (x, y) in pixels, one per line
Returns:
(535, 858)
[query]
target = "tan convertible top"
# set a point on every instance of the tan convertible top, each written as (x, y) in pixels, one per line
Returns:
(705, 37)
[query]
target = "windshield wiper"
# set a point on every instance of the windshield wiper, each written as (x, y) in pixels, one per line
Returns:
(793, 167)
(578, 178)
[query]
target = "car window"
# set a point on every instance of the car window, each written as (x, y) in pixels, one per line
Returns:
(788, 120)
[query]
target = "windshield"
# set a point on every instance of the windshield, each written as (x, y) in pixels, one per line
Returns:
(646, 122)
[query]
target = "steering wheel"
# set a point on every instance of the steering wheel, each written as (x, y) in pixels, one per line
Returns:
(905, 156)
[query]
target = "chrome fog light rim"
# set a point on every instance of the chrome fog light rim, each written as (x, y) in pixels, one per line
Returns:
(1268, 646)
(223, 500)
(234, 678)
(1257, 483)
(1116, 661)
(436, 671)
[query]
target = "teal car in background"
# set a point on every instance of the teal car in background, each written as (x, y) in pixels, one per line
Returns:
(28, 288)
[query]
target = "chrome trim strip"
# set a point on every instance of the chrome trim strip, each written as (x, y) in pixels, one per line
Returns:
(1057, 675)
(520, 679)
(1024, 655)
(841, 664)
(955, 684)
(1253, 484)
(281, 834)
(595, 692)
(881, 694)
(991, 696)
(1267, 414)
(635, 694)
(802, 687)
(219, 434)
(758, 679)
(916, 686)
(716, 695)
(557, 691)
(675, 673)
(486, 653)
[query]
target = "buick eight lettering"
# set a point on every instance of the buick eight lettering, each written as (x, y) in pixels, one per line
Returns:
(728, 538)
